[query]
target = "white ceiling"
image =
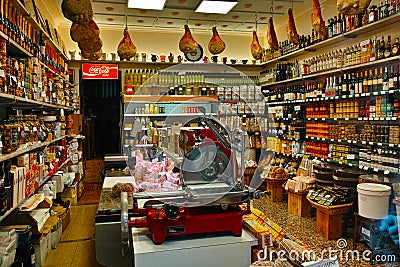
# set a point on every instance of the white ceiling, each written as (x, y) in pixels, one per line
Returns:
(242, 18)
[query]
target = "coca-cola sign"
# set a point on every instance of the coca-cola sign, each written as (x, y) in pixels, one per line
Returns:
(99, 71)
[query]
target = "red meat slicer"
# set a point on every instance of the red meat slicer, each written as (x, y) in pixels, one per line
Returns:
(212, 188)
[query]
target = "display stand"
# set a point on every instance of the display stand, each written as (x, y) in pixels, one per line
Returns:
(329, 219)
(298, 204)
(210, 250)
(276, 188)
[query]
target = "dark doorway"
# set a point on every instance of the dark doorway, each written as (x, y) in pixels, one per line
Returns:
(101, 107)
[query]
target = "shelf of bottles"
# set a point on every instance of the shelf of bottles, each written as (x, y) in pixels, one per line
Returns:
(153, 82)
(338, 29)
(32, 70)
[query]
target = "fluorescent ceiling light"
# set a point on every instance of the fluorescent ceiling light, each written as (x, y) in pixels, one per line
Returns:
(216, 7)
(147, 4)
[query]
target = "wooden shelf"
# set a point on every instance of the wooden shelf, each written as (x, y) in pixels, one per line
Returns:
(34, 147)
(345, 141)
(160, 65)
(23, 103)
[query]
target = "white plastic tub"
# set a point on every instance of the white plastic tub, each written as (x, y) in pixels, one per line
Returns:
(373, 200)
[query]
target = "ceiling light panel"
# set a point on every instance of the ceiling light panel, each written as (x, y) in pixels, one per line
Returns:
(147, 4)
(215, 7)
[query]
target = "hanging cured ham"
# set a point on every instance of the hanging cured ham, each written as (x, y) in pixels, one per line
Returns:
(126, 49)
(256, 49)
(187, 44)
(316, 19)
(293, 36)
(216, 45)
(92, 56)
(84, 33)
(78, 11)
(352, 7)
(271, 35)
(91, 46)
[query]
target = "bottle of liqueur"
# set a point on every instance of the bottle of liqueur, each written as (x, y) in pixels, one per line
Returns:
(388, 49)
(395, 47)
(382, 48)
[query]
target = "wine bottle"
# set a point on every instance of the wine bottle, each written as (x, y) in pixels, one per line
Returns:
(375, 81)
(345, 85)
(370, 82)
(382, 47)
(385, 80)
(388, 49)
(391, 78)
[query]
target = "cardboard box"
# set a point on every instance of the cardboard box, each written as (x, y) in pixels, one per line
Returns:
(56, 234)
(72, 199)
(65, 218)
(57, 177)
(42, 248)
(70, 191)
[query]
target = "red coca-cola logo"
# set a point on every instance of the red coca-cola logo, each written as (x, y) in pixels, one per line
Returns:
(100, 71)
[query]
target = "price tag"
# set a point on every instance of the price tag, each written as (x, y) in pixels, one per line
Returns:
(346, 119)
(376, 169)
(382, 118)
(335, 119)
(365, 168)
(2, 74)
(297, 107)
(336, 97)
(354, 142)
(339, 140)
(376, 93)
(323, 119)
(349, 141)
(391, 145)
(312, 137)
(386, 172)
(364, 94)
(394, 118)
(323, 139)
(379, 144)
(351, 156)
(357, 95)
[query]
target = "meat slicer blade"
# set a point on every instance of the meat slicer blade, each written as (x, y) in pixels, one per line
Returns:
(206, 164)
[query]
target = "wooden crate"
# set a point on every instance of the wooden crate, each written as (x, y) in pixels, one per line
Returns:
(298, 204)
(329, 219)
(276, 189)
